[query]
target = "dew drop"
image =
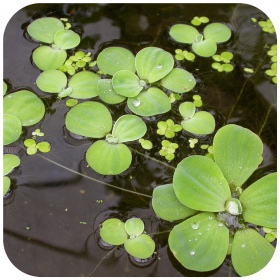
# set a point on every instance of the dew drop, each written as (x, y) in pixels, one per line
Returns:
(192, 253)
(200, 233)
(110, 90)
(194, 225)
(210, 217)
(242, 245)
(136, 103)
(159, 66)
(190, 80)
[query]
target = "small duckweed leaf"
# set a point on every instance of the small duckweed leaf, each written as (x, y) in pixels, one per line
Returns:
(52, 81)
(29, 143)
(146, 144)
(218, 32)
(11, 129)
(6, 184)
(134, 226)
(10, 162)
(31, 150)
(71, 102)
(5, 88)
(66, 39)
(183, 33)
(44, 147)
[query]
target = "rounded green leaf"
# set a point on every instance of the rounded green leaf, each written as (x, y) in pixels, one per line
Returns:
(10, 162)
(179, 80)
(43, 147)
(84, 85)
(106, 92)
(113, 232)
(218, 32)
(129, 128)
(25, 105)
(149, 103)
(201, 123)
(259, 202)
(152, 64)
(66, 39)
(167, 206)
(205, 48)
(52, 81)
(238, 152)
(5, 88)
(11, 129)
(90, 119)
(6, 184)
(114, 59)
(199, 184)
(47, 58)
(183, 33)
(108, 159)
(134, 227)
(200, 243)
(250, 252)
(141, 247)
(126, 83)
(187, 110)
(44, 29)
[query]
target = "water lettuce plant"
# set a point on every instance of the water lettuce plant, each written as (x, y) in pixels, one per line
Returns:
(214, 189)
(10, 162)
(205, 44)
(129, 234)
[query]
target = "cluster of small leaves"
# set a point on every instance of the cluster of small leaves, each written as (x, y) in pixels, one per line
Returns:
(168, 149)
(32, 146)
(174, 97)
(267, 26)
(192, 142)
(10, 162)
(168, 128)
(222, 63)
(272, 72)
(209, 150)
(270, 234)
(196, 21)
(273, 53)
(197, 100)
(184, 54)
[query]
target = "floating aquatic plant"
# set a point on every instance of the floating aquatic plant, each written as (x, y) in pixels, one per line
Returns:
(168, 149)
(168, 128)
(272, 72)
(201, 242)
(33, 147)
(267, 26)
(196, 21)
(10, 162)
(146, 144)
(197, 100)
(273, 53)
(225, 59)
(174, 97)
(184, 54)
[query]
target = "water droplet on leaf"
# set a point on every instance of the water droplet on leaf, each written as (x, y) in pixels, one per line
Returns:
(192, 253)
(243, 245)
(136, 102)
(194, 225)
(159, 66)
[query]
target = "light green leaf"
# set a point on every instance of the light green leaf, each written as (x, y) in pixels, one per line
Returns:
(134, 227)
(52, 81)
(179, 80)
(44, 29)
(108, 159)
(200, 243)
(149, 103)
(25, 105)
(84, 85)
(71, 102)
(218, 32)
(66, 39)
(152, 64)
(126, 83)
(47, 58)
(114, 59)
(183, 33)
(113, 232)
(90, 119)
(250, 252)
(141, 247)
(187, 110)
(199, 184)
(5, 88)
(10, 162)
(129, 128)
(11, 129)
(167, 206)
(43, 147)
(6, 184)
(259, 202)
(205, 48)
(238, 152)
(107, 93)
(201, 123)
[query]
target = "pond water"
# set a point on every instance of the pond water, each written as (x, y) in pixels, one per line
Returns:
(52, 214)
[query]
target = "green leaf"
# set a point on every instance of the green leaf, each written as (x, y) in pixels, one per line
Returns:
(129, 128)
(259, 202)
(126, 83)
(152, 64)
(71, 102)
(6, 184)
(10, 162)
(149, 103)
(134, 227)
(113, 232)
(179, 80)
(146, 144)
(31, 150)
(205, 48)
(238, 152)
(66, 39)
(141, 247)
(11, 129)
(32, 111)
(183, 33)
(108, 159)
(43, 147)
(200, 243)
(47, 58)
(90, 119)
(201, 123)
(250, 252)
(167, 206)
(5, 88)
(187, 110)
(52, 81)
(84, 85)
(29, 143)
(107, 93)
(199, 184)
(114, 59)
(218, 32)
(44, 29)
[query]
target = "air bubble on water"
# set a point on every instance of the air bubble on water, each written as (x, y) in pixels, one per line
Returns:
(136, 102)
(195, 225)
(159, 66)
(192, 253)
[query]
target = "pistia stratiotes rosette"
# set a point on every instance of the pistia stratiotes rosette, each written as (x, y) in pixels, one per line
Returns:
(214, 188)
(137, 78)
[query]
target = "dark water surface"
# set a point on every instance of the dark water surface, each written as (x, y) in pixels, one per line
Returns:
(51, 218)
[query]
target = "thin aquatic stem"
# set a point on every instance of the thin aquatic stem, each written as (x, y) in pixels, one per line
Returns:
(265, 120)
